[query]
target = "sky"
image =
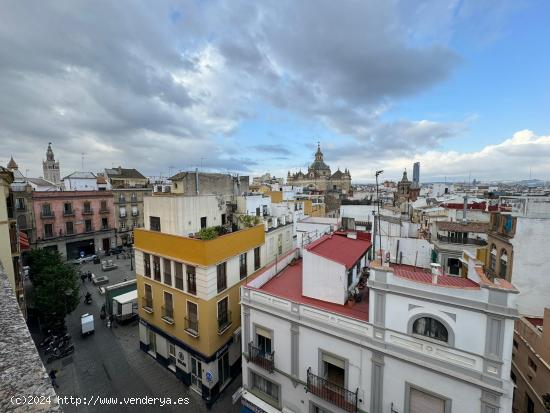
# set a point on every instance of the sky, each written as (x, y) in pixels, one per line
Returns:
(461, 86)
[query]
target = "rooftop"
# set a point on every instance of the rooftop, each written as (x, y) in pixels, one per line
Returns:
(340, 248)
(480, 227)
(81, 175)
(124, 173)
(424, 276)
(288, 284)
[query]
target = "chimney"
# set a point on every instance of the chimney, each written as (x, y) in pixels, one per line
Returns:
(436, 270)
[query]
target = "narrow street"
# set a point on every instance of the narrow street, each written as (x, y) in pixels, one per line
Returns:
(109, 362)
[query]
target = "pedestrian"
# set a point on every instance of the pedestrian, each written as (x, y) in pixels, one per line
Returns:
(111, 319)
(53, 377)
(83, 277)
(90, 276)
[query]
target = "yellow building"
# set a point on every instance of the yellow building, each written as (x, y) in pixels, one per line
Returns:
(188, 287)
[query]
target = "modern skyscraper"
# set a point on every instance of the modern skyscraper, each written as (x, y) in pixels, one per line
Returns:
(416, 173)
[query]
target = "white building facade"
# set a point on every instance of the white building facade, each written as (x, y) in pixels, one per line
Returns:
(416, 342)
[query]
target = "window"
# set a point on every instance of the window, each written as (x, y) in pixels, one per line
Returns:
(123, 225)
(104, 205)
(280, 244)
(148, 298)
(122, 199)
(192, 319)
(203, 222)
(67, 208)
(258, 211)
(88, 225)
(179, 275)
(48, 231)
(191, 280)
(20, 204)
(257, 258)
(69, 228)
(154, 223)
(133, 198)
(224, 319)
(265, 387)
(104, 223)
(531, 364)
(46, 210)
(515, 344)
(530, 404)
(224, 219)
(156, 267)
(263, 340)
(222, 276)
(432, 328)
(135, 212)
(503, 263)
(493, 258)
(333, 369)
(147, 264)
(167, 271)
(168, 310)
(122, 211)
(87, 207)
(242, 265)
(420, 401)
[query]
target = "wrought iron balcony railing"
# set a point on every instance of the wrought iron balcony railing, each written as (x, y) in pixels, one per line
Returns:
(258, 356)
(332, 393)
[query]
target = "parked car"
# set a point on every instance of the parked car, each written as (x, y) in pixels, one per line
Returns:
(83, 260)
(116, 250)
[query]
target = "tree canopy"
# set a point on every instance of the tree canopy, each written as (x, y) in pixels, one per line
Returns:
(55, 287)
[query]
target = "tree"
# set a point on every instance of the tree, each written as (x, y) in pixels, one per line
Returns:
(55, 287)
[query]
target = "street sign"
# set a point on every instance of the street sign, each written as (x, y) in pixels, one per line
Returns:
(209, 376)
(81, 254)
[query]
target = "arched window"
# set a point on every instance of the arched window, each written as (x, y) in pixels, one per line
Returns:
(493, 257)
(503, 263)
(432, 328)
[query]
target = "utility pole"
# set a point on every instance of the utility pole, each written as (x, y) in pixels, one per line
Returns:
(378, 208)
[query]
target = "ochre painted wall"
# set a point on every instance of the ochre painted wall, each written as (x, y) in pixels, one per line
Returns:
(196, 251)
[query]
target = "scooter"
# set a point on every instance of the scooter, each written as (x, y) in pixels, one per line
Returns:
(60, 353)
(88, 298)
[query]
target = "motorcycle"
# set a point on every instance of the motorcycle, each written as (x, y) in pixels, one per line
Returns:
(57, 343)
(61, 353)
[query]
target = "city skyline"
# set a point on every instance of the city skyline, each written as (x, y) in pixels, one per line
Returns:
(458, 86)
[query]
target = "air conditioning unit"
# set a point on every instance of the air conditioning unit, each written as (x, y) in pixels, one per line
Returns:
(237, 334)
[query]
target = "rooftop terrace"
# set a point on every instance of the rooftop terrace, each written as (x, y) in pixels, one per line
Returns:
(288, 285)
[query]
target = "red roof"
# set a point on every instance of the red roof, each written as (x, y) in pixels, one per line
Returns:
(424, 276)
(340, 248)
(288, 284)
(536, 321)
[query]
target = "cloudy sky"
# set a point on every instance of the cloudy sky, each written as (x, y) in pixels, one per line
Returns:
(249, 87)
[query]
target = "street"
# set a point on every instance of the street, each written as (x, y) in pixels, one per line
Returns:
(109, 363)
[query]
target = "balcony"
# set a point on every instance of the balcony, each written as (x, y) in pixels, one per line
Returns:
(89, 229)
(192, 326)
(332, 393)
(147, 305)
(47, 214)
(105, 228)
(122, 200)
(122, 215)
(464, 241)
(89, 211)
(133, 201)
(67, 213)
(224, 322)
(261, 358)
(168, 315)
(48, 235)
(135, 213)
(104, 210)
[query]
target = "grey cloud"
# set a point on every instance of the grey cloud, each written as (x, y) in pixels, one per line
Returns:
(272, 149)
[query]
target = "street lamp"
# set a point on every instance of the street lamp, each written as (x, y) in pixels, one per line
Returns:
(378, 208)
